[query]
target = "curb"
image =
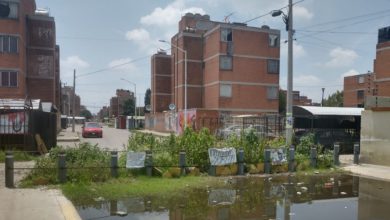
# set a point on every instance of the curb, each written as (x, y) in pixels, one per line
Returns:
(69, 139)
(68, 210)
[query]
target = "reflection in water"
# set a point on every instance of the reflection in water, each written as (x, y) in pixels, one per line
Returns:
(284, 197)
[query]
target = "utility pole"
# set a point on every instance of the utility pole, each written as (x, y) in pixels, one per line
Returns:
(74, 98)
(289, 113)
(322, 98)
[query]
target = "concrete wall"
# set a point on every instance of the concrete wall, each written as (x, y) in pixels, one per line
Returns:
(375, 138)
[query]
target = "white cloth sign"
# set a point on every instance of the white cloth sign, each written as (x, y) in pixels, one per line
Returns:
(135, 160)
(278, 156)
(222, 156)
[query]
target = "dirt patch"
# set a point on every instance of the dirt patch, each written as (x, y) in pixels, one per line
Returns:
(19, 174)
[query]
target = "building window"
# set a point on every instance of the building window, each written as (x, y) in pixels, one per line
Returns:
(272, 92)
(225, 90)
(273, 40)
(9, 79)
(8, 44)
(361, 79)
(8, 9)
(225, 62)
(226, 34)
(273, 66)
(360, 94)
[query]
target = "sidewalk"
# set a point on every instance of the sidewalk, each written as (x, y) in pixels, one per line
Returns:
(66, 135)
(35, 204)
(369, 170)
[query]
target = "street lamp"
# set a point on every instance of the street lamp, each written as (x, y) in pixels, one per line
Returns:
(185, 79)
(288, 20)
(135, 96)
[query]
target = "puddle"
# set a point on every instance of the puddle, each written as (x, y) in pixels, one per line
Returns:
(307, 197)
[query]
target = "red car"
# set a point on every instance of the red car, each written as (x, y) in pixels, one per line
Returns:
(92, 129)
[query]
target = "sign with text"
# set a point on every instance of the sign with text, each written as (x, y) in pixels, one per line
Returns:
(135, 160)
(222, 156)
(278, 156)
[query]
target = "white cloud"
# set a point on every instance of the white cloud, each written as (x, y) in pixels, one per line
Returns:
(341, 57)
(298, 50)
(69, 64)
(138, 35)
(351, 72)
(141, 37)
(301, 13)
(169, 15)
(123, 64)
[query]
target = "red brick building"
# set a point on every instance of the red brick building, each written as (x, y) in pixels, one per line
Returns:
(161, 78)
(29, 57)
(117, 102)
(377, 83)
(232, 68)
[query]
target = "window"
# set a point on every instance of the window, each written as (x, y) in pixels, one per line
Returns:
(225, 90)
(8, 44)
(361, 79)
(225, 62)
(273, 66)
(272, 92)
(9, 79)
(8, 9)
(226, 34)
(360, 94)
(273, 40)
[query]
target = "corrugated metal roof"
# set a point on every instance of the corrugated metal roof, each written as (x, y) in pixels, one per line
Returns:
(19, 104)
(340, 111)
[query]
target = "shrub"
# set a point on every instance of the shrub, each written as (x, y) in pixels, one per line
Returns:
(84, 164)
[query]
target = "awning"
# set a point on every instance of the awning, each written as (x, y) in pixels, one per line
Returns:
(326, 111)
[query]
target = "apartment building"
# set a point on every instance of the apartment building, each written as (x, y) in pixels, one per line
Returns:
(161, 79)
(67, 101)
(377, 83)
(117, 102)
(29, 57)
(232, 68)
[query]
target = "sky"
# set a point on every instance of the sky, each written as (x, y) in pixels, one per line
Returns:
(106, 41)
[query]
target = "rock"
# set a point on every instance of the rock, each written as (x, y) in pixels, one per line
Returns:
(304, 189)
(299, 193)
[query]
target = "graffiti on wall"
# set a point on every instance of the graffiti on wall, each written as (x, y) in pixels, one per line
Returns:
(14, 123)
(191, 120)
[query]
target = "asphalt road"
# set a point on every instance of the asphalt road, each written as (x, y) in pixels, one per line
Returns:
(113, 139)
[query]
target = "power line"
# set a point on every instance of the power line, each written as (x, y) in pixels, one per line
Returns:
(337, 32)
(260, 16)
(113, 67)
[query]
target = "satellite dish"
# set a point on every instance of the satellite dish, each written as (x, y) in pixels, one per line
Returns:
(172, 106)
(148, 108)
(4, 10)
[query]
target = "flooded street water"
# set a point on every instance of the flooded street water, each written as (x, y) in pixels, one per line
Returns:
(283, 197)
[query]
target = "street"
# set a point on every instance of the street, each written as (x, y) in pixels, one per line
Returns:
(113, 139)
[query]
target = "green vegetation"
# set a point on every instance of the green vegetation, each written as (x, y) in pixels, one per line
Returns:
(334, 100)
(89, 164)
(141, 186)
(18, 156)
(84, 165)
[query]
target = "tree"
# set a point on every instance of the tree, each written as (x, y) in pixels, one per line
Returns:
(334, 100)
(85, 113)
(128, 107)
(148, 95)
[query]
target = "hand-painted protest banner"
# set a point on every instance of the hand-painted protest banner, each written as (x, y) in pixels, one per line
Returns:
(135, 160)
(222, 156)
(278, 156)
(222, 197)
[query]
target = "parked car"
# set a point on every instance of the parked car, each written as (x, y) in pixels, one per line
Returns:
(92, 129)
(228, 131)
(261, 131)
